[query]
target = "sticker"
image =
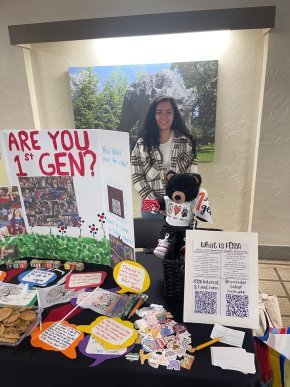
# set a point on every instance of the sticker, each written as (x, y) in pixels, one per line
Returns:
(153, 362)
(169, 354)
(174, 365)
(144, 356)
(85, 280)
(186, 343)
(166, 331)
(3, 274)
(187, 361)
(61, 337)
(179, 328)
(131, 277)
(111, 332)
(92, 348)
(149, 345)
(37, 277)
(179, 351)
(132, 356)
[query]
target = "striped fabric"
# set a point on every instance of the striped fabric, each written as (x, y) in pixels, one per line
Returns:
(148, 173)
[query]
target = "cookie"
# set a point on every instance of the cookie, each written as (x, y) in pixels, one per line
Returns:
(12, 318)
(5, 313)
(14, 322)
(7, 340)
(22, 326)
(10, 333)
(28, 315)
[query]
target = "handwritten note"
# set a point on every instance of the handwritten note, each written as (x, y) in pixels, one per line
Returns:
(85, 280)
(131, 276)
(91, 348)
(62, 337)
(111, 332)
(113, 156)
(37, 277)
(95, 347)
(59, 336)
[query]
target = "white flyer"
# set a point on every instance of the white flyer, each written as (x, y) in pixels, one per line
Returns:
(221, 278)
(228, 336)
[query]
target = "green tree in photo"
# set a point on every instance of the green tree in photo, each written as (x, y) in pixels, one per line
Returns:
(141, 72)
(84, 98)
(201, 77)
(110, 101)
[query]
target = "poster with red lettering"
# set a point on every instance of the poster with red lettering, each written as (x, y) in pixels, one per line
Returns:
(75, 194)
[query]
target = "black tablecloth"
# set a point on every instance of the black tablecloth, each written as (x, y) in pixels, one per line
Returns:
(28, 366)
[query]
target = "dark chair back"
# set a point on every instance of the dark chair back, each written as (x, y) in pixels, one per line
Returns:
(147, 232)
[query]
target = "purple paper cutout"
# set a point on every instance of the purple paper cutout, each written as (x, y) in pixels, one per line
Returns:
(99, 358)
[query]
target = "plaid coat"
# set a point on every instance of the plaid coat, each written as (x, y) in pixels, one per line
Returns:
(148, 174)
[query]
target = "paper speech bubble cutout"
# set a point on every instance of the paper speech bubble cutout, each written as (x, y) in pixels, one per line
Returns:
(90, 347)
(37, 277)
(131, 277)
(55, 336)
(3, 274)
(111, 332)
(79, 281)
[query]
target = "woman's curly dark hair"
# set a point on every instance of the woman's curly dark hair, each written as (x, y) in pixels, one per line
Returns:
(150, 131)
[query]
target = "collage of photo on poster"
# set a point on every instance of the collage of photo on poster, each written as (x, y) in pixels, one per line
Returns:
(11, 219)
(49, 201)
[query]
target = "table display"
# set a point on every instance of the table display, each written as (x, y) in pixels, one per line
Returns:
(24, 364)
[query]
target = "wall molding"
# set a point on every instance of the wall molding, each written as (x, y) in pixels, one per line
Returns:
(138, 25)
(274, 252)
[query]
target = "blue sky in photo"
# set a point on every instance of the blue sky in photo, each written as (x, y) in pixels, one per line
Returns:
(130, 71)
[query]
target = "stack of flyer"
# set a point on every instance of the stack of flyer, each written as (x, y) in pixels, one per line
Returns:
(237, 359)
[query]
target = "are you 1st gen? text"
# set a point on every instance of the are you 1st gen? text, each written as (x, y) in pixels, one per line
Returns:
(71, 152)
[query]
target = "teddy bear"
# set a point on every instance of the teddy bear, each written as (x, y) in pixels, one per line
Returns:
(179, 205)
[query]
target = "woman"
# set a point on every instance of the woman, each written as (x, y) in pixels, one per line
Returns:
(165, 143)
(17, 222)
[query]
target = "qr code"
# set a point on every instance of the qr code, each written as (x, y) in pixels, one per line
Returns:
(237, 305)
(116, 207)
(205, 302)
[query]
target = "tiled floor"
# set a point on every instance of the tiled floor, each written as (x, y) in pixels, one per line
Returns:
(274, 279)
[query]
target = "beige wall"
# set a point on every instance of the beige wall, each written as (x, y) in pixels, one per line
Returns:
(236, 129)
(240, 67)
(272, 210)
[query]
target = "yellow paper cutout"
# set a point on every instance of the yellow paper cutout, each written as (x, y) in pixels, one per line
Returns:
(111, 332)
(66, 342)
(131, 277)
(3, 274)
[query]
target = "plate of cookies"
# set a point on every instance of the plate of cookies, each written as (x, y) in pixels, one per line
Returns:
(17, 322)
